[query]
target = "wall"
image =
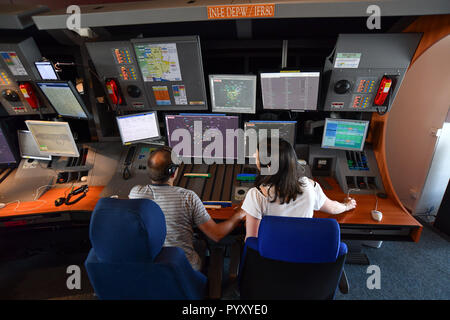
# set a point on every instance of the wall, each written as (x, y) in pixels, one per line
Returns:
(434, 28)
(438, 176)
(422, 104)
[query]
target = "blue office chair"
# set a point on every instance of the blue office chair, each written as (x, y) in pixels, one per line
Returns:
(292, 258)
(127, 260)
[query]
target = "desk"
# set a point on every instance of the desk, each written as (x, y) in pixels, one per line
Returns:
(39, 212)
(356, 224)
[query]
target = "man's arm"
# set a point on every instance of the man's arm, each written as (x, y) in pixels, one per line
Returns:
(216, 231)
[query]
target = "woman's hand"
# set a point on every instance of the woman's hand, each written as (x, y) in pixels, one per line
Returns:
(350, 204)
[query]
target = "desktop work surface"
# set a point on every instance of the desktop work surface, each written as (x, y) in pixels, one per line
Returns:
(221, 187)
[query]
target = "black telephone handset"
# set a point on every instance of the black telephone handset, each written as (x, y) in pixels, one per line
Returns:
(83, 189)
(126, 174)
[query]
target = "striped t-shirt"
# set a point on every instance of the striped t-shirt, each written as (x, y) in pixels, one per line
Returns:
(182, 209)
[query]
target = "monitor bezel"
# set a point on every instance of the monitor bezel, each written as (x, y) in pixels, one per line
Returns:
(26, 132)
(51, 64)
(292, 70)
(55, 123)
(214, 108)
(74, 92)
(140, 140)
(367, 122)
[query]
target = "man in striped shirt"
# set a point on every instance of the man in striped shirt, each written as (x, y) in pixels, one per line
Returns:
(182, 208)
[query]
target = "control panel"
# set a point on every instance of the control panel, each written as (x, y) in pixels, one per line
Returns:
(18, 94)
(116, 65)
(355, 171)
(364, 72)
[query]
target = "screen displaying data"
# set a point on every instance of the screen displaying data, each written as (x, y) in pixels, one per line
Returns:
(172, 72)
(290, 90)
(28, 147)
(344, 134)
(46, 70)
(138, 127)
(53, 138)
(194, 135)
(286, 131)
(233, 93)
(158, 61)
(6, 154)
(64, 98)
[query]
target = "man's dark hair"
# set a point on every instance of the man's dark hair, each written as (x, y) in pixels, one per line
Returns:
(284, 184)
(158, 163)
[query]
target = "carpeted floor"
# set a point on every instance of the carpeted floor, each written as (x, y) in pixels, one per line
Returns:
(408, 271)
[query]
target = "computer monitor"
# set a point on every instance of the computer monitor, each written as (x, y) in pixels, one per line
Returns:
(28, 147)
(287, 131)
(233, 93)
(172, 72)
(7, 154)
(290, 90)
(64, 98)
(344, 134)
(53, 138)
(204, 122)
(46, 70)
(139, 127)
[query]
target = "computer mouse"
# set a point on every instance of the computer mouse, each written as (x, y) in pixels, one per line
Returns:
(83, 179)
(377, 215)
(2, 205)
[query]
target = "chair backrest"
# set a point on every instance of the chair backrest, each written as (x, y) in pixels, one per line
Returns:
(292, 258)
(127, 230)
(128, 260)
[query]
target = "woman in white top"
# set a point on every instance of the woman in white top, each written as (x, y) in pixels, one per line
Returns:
(286, 192)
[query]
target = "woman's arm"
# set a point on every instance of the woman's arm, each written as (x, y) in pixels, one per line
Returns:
(251, 226)
(335, 207)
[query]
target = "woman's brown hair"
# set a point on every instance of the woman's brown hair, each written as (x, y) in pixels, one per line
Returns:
(285, 182)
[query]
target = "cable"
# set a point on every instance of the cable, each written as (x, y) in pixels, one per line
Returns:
(351, 189)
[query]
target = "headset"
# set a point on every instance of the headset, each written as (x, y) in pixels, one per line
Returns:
(172, 167)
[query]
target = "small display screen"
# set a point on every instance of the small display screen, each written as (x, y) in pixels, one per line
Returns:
(286, 131)
(46, 70)
(196, 126)
(6, 153)
(233, 93)
(290, 90)
(28, 147)
(344, 134)
(64, 99)
(138, 127)
(53, 138)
